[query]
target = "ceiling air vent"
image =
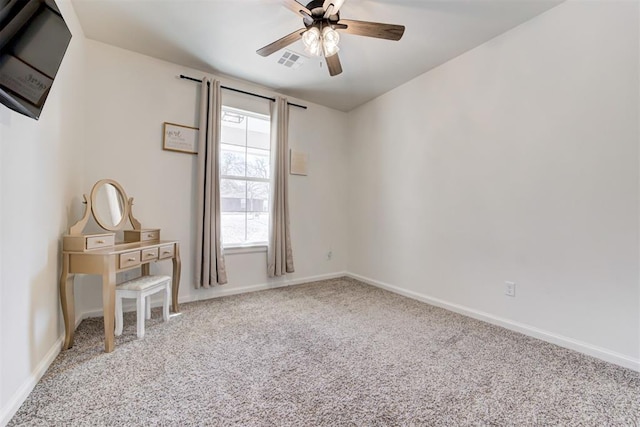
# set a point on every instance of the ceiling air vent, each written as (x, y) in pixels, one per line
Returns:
(291, 59)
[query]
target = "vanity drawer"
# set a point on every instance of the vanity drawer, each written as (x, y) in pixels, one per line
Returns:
(148, 254)
(87, 242)
(167, 251)
(129, 259)
(96, 242)
(141, 235)
(149, 235)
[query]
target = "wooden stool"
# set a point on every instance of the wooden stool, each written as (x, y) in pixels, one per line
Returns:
(141, 289)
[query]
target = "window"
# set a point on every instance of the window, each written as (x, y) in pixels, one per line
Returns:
(245, 143)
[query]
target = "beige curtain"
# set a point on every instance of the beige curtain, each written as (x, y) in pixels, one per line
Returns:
(209, 257)
(279, 255)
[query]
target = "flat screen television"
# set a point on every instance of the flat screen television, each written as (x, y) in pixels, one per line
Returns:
(33, 40)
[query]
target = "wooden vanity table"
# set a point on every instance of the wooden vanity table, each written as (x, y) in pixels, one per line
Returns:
(99, 254)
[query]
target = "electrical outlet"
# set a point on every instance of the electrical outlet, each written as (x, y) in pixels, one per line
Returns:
(510, 289)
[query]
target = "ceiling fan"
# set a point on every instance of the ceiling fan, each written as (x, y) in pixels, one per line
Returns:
(321, 20)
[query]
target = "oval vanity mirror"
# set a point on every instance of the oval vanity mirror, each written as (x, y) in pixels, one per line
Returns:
(109, 204)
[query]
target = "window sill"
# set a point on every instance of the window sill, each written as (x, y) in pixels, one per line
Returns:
(233, 250)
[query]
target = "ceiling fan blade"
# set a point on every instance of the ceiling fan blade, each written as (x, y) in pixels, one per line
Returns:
(331, 7)
(281, 43)
(333, 64)
(298, 9)
(373, 29)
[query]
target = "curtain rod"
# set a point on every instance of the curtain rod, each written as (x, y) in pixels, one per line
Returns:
(242, 91)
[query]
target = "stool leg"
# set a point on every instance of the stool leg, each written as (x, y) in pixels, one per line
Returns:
(148, 310)
(118, 330)
(140, 315)
(165, 302)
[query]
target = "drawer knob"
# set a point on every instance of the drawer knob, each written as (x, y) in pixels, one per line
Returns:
(99, 241)
(150, 235)
(166, 252)
(150, 255)
(131, 259)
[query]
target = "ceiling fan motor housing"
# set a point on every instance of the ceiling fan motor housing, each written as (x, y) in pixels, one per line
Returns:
(316, 8)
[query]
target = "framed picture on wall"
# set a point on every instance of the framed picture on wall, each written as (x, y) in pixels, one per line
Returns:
(298, 162)
(180, 138)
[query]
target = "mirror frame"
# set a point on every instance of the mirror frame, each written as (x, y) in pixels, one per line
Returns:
(125, 199)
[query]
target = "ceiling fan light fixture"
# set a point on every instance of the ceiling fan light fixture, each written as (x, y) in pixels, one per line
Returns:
(330, 49)
(330, 40)
(317, 43)
(312, 41)
(315, 50)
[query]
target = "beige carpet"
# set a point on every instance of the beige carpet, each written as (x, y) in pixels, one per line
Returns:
(328, 353)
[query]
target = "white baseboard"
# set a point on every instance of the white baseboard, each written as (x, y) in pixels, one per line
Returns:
(570, 343)
(223, 292)
(20, 396)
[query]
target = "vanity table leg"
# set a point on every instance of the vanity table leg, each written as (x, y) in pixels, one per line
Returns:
(144, 269)
(109, 300)
(176, 279)
(66, 298)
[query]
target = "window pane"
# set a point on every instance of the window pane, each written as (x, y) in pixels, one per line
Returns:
(257, 196)
(233, 204)
(257, 227)
(257, 163)
(258, 135)
(233, 228)
(244, 153)
(233, 129)
(233, 195)
(232, 160)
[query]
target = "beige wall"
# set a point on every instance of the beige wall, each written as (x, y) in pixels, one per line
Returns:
(40, 177)
(130, 95)
(104, 119)
(517, 161)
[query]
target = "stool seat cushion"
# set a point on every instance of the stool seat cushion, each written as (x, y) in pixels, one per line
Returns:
(142, 283)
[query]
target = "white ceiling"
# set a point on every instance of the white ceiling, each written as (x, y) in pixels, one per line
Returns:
(221, 37)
